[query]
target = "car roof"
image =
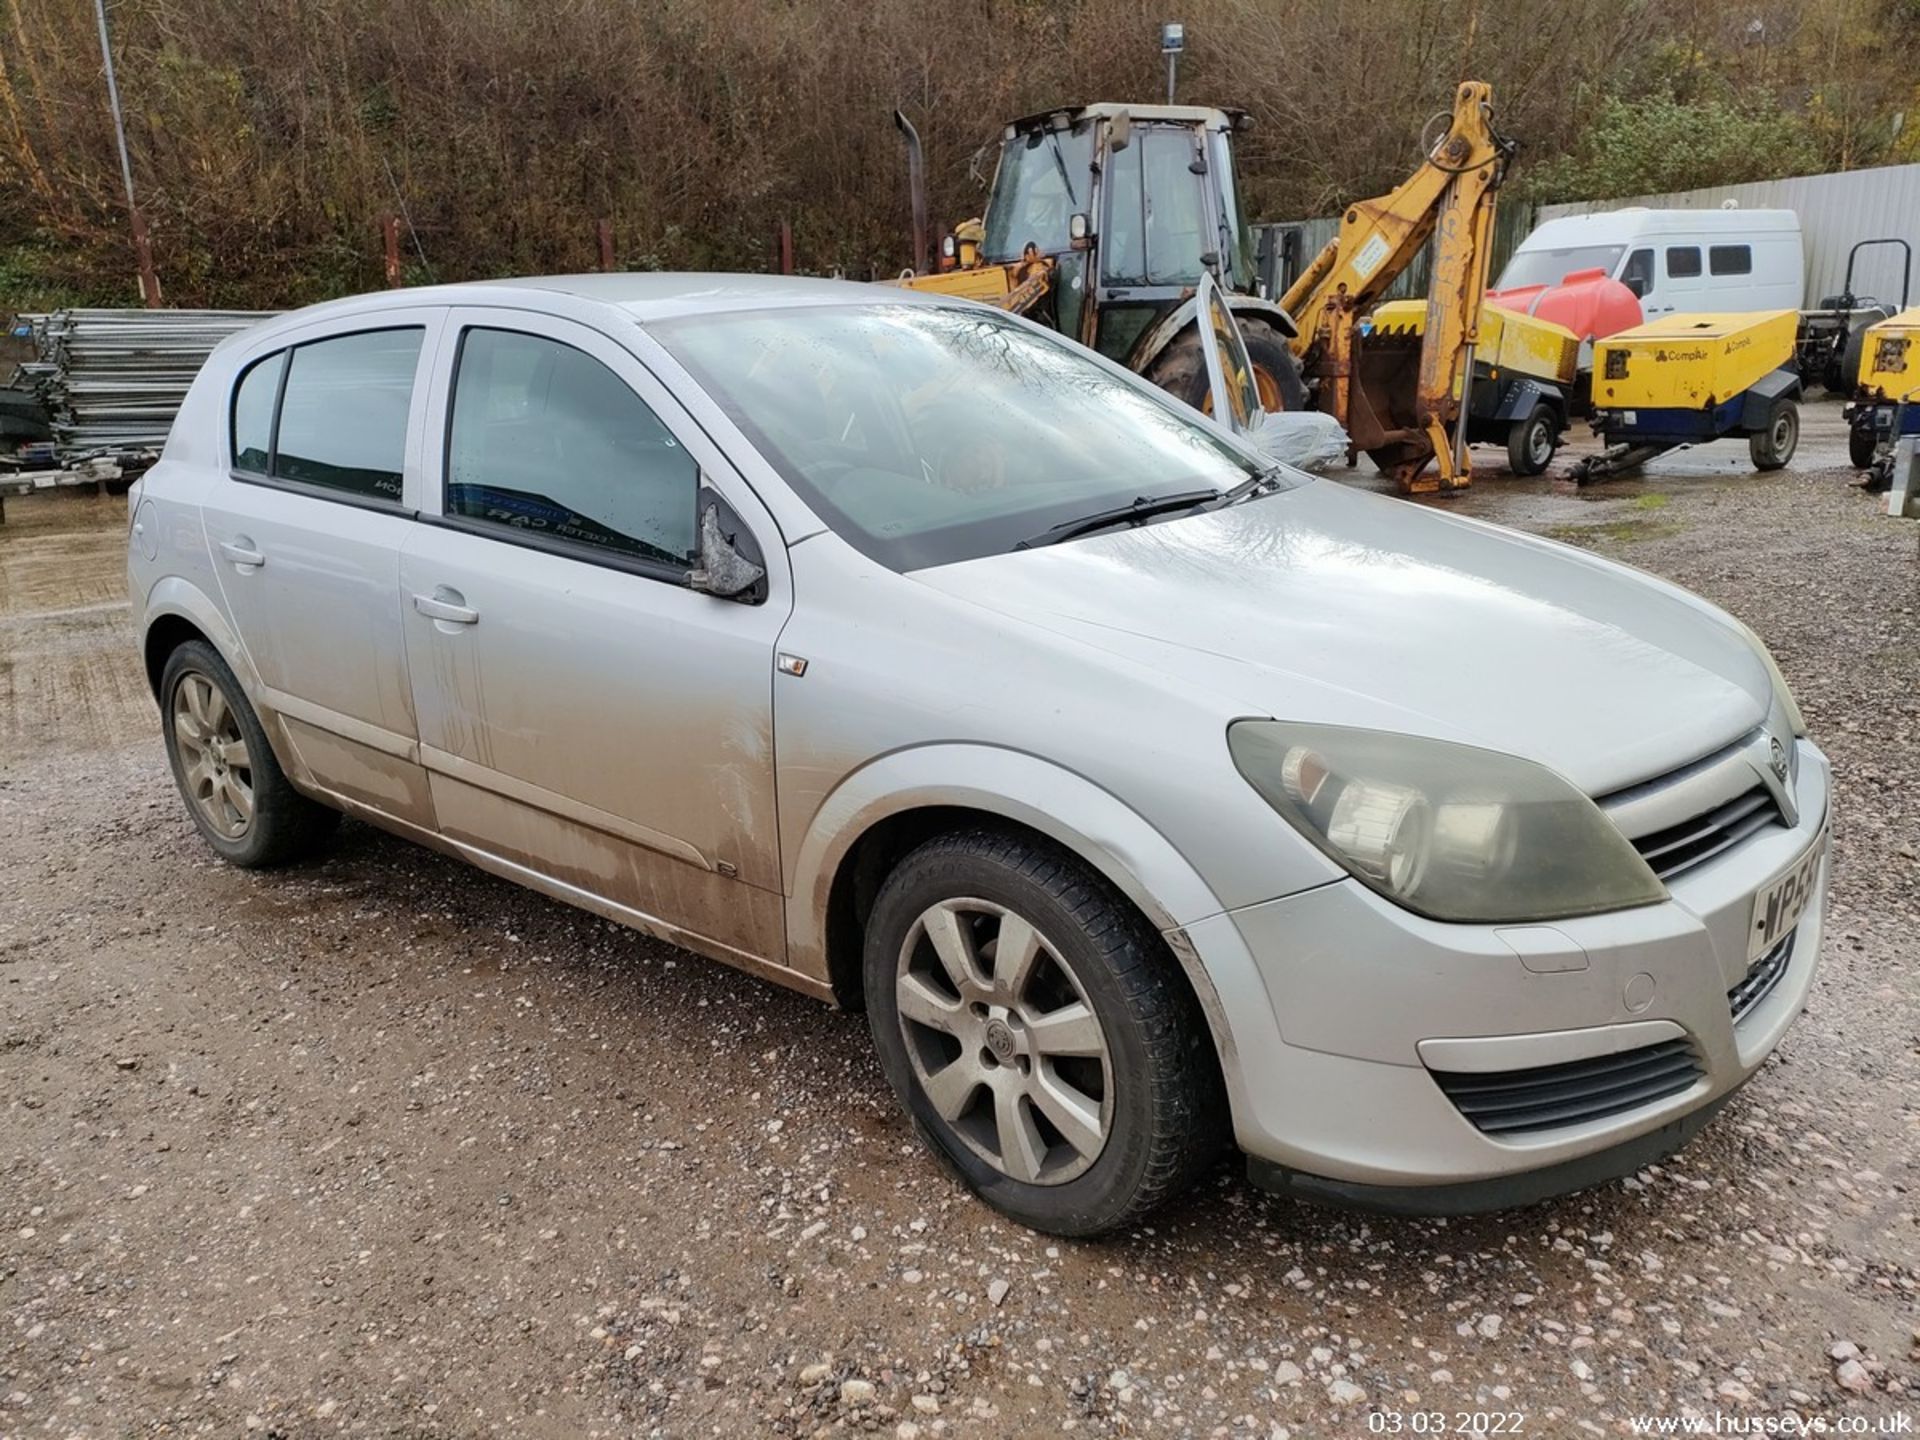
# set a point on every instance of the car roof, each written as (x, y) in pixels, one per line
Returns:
(643, 295)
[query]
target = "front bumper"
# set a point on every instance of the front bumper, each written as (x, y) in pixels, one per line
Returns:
(1339, 1008)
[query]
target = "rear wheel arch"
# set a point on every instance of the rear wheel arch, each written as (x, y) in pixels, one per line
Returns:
(166, 634)
(176, 611)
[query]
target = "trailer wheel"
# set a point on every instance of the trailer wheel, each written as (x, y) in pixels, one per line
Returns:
(1861, 443)
(1773, 447)
(1531, 441)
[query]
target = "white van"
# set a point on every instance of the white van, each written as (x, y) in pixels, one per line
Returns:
(1674, 260)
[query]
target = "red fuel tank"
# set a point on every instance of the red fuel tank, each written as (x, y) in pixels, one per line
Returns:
(1587, 302)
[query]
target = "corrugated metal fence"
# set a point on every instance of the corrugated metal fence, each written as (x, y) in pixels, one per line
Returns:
(1835, 211)
(1292, 243)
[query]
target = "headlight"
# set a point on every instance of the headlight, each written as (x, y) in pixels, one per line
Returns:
(1780, 691)
(1449, 831)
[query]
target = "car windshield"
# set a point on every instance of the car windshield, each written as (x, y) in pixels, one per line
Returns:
(1045, 179)
(926, 434)
(1550, 267)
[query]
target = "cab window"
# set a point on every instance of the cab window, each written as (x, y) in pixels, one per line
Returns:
(1638, 274)
(1156, 217)
(546, 440)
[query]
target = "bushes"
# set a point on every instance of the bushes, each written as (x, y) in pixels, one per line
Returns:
(270, 136)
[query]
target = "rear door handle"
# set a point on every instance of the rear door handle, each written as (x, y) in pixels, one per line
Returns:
(442, 605)
(241, 552)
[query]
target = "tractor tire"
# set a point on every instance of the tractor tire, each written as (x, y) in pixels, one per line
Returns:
(1773, 447)
(1861, 443)
(1181, 368)
(1275, 370)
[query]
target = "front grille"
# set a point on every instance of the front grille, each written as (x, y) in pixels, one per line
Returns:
(1761, 977)
(1695, 841)
(1546, 1097)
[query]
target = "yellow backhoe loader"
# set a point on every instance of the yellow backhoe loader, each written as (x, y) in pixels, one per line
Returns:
(1102, 218)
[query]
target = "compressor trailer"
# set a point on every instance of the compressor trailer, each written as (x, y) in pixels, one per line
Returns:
(1690, 379)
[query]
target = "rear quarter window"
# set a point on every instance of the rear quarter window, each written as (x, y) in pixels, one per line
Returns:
(254, 399)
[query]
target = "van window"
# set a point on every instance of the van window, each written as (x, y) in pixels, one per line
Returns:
(1730, 259)
(546, 440)
(1683, 262)
(1638, 275)
(253, 402)
(343, 416)
(1549, 267)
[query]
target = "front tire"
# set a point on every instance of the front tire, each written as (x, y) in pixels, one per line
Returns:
(240, 800)
(1034, 1027)
(1181, 368)
(1771, 448)
(1530, 442)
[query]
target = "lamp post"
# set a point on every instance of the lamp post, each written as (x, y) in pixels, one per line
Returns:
(142, 250)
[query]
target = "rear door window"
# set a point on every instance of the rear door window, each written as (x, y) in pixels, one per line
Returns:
(343, 413)
(1730, 259)
(546, 440)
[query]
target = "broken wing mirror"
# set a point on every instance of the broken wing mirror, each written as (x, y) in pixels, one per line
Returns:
(731, 565)
(1120, 130)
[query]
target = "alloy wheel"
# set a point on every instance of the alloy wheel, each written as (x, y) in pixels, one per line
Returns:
(216, 770)
(1003, 1042)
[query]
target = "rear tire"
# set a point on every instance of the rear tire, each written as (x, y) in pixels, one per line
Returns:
(996, 1083)
(240, 800)
(1772, 447)
(1531, 442)
(1862, 442)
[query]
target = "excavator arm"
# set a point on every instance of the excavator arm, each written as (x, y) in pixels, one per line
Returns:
(1406, 419)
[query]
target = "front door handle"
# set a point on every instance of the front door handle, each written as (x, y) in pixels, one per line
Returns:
(444, 605)
(241, 552)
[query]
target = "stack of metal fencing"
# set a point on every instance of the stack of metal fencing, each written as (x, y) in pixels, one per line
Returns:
(112, 380)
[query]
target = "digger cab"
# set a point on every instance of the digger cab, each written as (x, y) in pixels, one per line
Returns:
(1132, 204)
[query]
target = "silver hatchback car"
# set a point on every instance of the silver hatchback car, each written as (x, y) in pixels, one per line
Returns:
(1147, 796)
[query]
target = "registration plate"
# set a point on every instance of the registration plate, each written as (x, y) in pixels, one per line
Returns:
(1781, 902)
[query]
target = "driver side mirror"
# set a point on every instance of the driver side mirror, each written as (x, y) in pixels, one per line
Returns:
(1120, 130)
(731, 565)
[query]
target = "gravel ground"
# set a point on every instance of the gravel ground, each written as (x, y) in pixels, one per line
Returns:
(385, 1146)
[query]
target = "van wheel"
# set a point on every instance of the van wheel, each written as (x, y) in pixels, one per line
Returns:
(1862, 442)
(1037, 1033)
(1772, 447)
(1530, 442)
(239, 798)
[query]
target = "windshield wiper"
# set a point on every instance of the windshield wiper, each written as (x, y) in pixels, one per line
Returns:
(1144, 507)
(1258, 484)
